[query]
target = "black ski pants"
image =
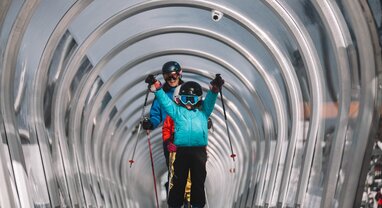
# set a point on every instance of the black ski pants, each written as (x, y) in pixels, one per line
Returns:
(166, 156)
(166, 153)
(191, 159)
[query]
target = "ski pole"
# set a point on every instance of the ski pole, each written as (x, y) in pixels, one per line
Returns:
(152, 167)
(226, 124)
(139, 127)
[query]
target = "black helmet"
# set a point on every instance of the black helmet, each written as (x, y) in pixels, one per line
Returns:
(191, 88)
(171, 66)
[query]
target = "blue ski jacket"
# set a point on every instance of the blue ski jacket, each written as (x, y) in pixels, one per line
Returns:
(157, 114)
(191, 129)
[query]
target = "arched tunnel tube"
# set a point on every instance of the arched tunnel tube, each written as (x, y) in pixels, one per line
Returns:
(302, 95)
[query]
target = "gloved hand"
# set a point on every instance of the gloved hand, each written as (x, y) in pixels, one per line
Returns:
(171, 147)
(217, 83)
(154, 84)
(209, 123)
(147, 125)
(150, 79)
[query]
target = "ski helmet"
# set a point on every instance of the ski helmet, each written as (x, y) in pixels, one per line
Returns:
(190, 93)
(171, 66)
(191, 88)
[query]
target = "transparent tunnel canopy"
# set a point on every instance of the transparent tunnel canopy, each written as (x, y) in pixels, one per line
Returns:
(302, 98)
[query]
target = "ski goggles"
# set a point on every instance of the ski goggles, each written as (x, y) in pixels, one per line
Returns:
(172, 76)
(189, 99)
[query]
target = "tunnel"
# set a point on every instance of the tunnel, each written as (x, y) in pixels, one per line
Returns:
(300, 106)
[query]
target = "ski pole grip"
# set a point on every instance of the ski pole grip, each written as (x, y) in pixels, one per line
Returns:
(150, 79)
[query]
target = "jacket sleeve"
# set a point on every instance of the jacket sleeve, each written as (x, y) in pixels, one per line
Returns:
(167, 129)
(167, 104)
(155, 114)
(209, 103)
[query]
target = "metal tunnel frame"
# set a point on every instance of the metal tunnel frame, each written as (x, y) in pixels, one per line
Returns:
(302, 93)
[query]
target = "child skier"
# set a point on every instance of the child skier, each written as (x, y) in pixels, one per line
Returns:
(168, 129)
(190, 138)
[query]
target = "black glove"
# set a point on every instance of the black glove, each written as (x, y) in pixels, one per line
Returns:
(153, 84)
(217, 83)
(209, 123)
(150, 79)
(147, 125)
